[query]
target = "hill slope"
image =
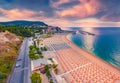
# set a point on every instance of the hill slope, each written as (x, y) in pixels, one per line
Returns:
(8, 41)
(9, 47)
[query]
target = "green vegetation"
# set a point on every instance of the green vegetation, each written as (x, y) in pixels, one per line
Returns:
(47, 67)
(54, 66)
(18, 30)
(35, 52)
(7, 60)
(2, 77)
(44, 48)
(22, 31)
(51, 81)
(47, 70)
(53, 63)
(36, 78)
(56, 70)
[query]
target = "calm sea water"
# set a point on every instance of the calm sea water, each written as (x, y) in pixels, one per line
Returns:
(105, 44)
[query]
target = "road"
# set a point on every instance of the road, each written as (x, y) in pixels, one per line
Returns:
(22, 73)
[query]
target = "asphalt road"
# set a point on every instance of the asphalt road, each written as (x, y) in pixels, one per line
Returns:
(21, 74)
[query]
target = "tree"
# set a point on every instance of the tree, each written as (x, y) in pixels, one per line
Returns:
(48, 73)
(39, 52)
(2, 75)
(34, 52)
(46, 67)
(56, 70)
(47, 70)
(35, 78)
(45, 49)
(18, 30)
(51, 81)
(37, 49)
(32, 47)
(54, 65)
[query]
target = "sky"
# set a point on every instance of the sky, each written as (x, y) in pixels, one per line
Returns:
(63, 13)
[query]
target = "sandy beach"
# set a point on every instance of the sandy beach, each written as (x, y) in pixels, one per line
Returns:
(78, 66)
(90, 56)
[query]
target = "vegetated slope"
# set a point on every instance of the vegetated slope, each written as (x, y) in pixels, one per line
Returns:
(18, 30)
(9, 45)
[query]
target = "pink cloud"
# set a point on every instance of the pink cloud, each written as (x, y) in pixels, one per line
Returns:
(18, 14)
(56, 4)
(84, 9)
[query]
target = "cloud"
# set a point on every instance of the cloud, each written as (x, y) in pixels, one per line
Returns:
(63, 4)
(93, 22)
(101, 9)
(33, 5)
(58, 22)
(86, 8)
(58, 2)
(115, 17)
(61, 12)
(68, 4)
(20, 14)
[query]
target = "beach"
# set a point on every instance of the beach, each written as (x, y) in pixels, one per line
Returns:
(78, 66)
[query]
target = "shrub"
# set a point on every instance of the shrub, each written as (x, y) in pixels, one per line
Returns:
(35, 78)
(51, 81)
(45, 49)
(48, 73)
(56, 70)
(2, 76)
(54, 65)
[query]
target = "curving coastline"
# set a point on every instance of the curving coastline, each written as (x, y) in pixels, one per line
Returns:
(78, 66)
(90, 56)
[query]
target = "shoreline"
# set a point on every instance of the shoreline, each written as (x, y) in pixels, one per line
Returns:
(77, 65)
(91, 56)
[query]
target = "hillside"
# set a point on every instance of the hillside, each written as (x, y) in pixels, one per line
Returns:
(9, 47)
(23, 23)
(18, 30)
(7, 41)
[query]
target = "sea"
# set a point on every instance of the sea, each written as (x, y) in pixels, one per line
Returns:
(103, 42)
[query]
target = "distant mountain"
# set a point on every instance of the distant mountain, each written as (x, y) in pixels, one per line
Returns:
(23, 23)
